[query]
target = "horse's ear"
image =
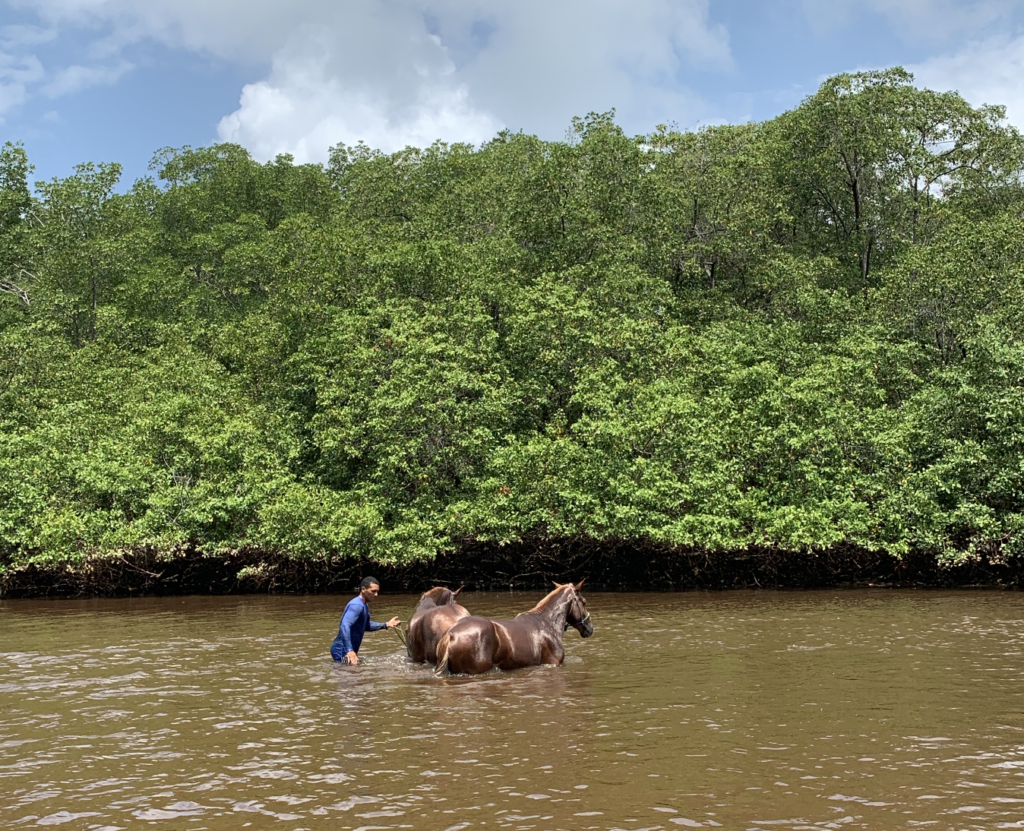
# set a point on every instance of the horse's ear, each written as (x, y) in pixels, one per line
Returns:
(579, 585)
(557, 584)
(456, 594)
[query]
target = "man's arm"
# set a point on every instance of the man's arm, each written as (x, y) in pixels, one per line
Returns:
(348, 620)
(373, 626)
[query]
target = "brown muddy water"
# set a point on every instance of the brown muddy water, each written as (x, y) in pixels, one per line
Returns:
(764, 710)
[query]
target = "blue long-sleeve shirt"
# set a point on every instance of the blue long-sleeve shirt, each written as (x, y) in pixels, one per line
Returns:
(354, 622)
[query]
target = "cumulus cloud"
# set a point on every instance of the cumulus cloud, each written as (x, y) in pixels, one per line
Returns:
(385, 79)
(395, 72)
(545, 62)
(303, 108)
(984, 72)
(460, 71)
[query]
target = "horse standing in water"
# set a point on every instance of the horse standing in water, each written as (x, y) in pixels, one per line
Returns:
(435, 615)
(476, 644)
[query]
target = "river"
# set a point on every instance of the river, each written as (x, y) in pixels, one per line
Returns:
(740, 710)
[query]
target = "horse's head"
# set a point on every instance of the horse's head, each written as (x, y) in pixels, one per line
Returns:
(577, 615)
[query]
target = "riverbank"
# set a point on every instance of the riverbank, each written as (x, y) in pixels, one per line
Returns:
(608, 567)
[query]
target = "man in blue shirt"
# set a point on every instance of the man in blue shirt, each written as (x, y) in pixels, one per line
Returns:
(355, 621)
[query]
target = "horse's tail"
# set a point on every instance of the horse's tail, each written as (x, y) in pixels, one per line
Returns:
(443, 648)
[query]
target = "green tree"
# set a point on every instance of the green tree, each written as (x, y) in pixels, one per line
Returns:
(15, 208)
(868, 158)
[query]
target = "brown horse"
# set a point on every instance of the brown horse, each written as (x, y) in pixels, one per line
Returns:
(477, 644)
(433, 617)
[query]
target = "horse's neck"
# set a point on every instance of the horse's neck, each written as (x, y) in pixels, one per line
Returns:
(554, 607)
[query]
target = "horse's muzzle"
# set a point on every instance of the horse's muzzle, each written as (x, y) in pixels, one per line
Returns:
(586, 628)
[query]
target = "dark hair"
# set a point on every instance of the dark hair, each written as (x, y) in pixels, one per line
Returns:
(369, 581)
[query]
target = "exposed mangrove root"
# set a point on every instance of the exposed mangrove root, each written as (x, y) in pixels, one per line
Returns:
(607, 566)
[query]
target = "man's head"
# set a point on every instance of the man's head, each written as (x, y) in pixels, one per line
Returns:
(369, 589)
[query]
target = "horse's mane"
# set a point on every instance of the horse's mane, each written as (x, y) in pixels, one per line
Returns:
(546, 599)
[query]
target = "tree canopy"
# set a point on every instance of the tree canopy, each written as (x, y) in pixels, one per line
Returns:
(797, 334)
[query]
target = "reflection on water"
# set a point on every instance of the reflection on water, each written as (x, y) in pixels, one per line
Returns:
(737, 710)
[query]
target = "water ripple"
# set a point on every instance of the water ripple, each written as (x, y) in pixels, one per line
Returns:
(750, 710)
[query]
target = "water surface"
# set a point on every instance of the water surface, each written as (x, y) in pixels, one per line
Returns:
(764, 710)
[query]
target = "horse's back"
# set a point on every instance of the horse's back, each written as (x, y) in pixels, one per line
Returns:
(529, 643)
(469, 647)
(477, 644)
(427, 629)
(436, 623)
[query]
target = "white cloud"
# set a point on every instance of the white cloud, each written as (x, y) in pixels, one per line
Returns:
(394, 72)
(23, 74)
(468, 68)
(386, 80)
(11, 95)
(914, 20)
(546, 62)
(15, 37)
(248, 30)
(984, 72)
(76, 77)
(303, 108)
(17, 74)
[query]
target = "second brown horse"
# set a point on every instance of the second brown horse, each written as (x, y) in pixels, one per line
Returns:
(435, 615)
(477, 644)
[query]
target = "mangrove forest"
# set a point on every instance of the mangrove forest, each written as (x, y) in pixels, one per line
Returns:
(798, 338)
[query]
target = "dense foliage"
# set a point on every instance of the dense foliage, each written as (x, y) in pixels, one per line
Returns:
(796, 334)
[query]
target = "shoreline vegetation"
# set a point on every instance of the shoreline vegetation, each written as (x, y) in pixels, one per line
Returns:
(785, 354)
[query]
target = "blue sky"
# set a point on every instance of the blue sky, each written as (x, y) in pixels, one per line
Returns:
(115, 80)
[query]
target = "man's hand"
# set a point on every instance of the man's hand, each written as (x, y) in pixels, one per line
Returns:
(391, 624)
(351, 658)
